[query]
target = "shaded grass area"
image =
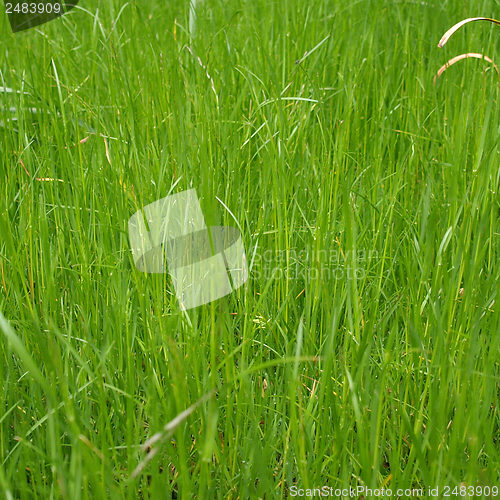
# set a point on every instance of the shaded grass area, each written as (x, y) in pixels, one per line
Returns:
(364, 347)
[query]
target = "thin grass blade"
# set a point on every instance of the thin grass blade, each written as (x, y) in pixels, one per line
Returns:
(455, 59)
(457, 26)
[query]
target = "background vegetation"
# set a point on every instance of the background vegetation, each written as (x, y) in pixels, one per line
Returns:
(363, 349)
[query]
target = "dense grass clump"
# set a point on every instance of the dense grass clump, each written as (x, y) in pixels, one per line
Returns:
(364, 348)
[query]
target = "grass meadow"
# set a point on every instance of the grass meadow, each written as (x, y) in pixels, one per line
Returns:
(364, 348)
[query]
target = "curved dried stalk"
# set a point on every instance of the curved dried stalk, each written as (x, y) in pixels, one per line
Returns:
(455, 59)
(457, 26)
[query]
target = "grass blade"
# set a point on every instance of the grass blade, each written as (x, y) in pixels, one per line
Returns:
(468, 55)
(457, 26)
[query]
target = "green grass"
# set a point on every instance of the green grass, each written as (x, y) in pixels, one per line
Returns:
(364, 348)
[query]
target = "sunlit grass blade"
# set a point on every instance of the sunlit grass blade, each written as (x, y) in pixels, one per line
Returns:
(468, 55)
(457, 26)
